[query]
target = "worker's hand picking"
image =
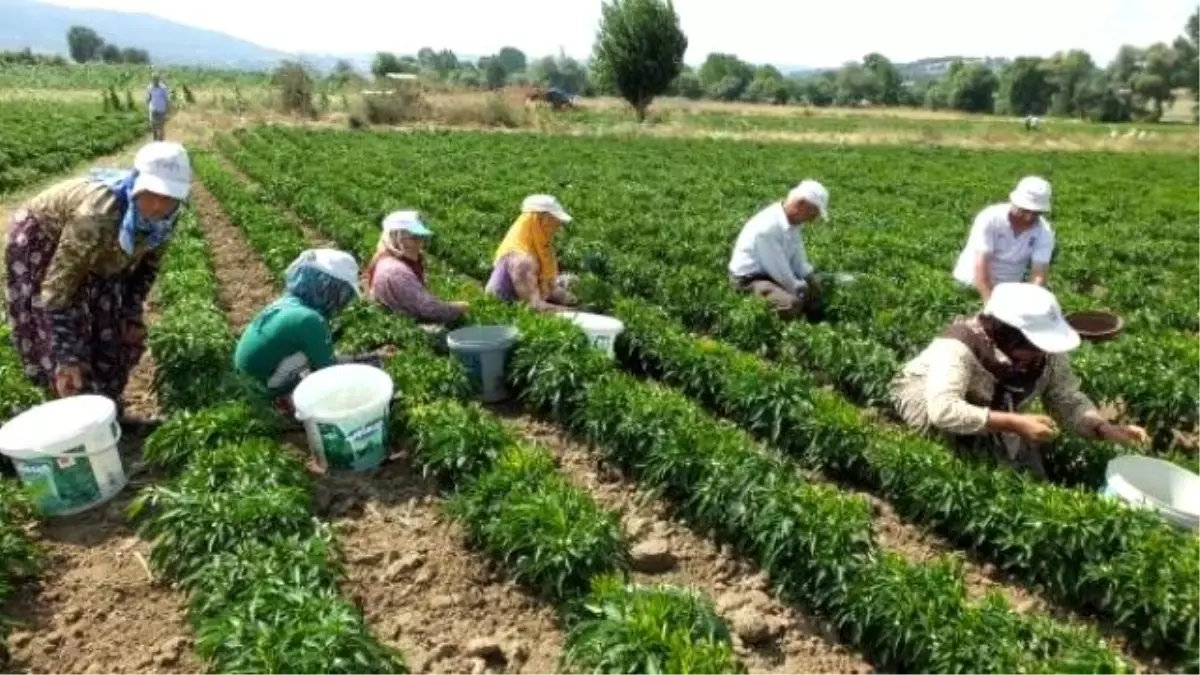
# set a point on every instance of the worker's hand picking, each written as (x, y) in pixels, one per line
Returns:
(1037, 428)
(1127, 435)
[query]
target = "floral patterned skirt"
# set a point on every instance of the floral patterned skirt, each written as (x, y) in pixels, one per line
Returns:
(106, 361)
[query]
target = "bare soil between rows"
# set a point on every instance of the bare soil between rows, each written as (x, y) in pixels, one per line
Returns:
(422, 589)
(770, 636)
(95, 608)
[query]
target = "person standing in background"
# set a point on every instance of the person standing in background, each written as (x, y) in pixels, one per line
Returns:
(159, 102)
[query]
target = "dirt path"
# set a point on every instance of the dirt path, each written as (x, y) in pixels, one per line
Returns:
(770, 636)
(245, 286)
(422, 590)
(95, 608)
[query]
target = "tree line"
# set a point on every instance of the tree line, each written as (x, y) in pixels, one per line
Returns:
(1138, 84)
(86, 46)
(27, 57)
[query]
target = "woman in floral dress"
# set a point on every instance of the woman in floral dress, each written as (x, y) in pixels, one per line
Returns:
(81, 258)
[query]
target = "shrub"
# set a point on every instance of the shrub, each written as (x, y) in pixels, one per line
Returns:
(295, 87)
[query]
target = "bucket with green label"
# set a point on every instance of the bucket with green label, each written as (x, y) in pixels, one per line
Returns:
(65, 452)
(345, 410)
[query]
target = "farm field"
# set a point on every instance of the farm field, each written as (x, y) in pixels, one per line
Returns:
(722, 497)
(94, 76)
(42, 139)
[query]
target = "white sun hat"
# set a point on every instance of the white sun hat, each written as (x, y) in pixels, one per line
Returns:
(812, 192)
(163, 168)
(1031, 194)
(337, 264)
(545, 204)
(1035, 312)
(406, 221)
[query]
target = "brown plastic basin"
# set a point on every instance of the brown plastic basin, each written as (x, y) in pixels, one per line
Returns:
(1096, 326)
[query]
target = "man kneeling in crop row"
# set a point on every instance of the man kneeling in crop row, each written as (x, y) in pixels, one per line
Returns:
(290, 337)
(769, 259)
(1009, 241)
(972, 381)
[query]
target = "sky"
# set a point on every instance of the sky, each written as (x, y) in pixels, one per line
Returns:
(797, 33)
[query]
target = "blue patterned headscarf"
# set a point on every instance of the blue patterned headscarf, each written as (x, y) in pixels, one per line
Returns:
(120, 183)
(317, 290)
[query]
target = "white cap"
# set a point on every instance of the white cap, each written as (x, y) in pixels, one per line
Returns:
(335, 263)
(164, 169)
(1032, 194)
(406, 221)
(812, 192)
(545, 204)
(1035, 312)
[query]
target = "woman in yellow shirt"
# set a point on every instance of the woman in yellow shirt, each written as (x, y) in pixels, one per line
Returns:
(525, 267)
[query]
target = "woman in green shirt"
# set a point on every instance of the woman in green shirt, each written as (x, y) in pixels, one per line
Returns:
(290, 337)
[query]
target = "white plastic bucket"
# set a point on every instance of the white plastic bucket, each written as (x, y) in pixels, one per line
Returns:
(602, 331)
(484, 351)
(345, 410)
(66, 452)
(1156, 484)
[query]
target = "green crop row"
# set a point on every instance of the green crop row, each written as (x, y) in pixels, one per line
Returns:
(20, 558)
(1093, 553)
(1088, 551)
(515, 505)
(104, 75)
(896, 306)
(550, 535)
(860, 367)
(814, 540)
(234, 526)
(42, 139)
(844, 353)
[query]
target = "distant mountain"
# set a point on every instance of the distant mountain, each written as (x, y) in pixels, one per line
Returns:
(43, 28)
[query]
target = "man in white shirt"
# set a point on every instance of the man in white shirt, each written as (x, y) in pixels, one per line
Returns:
(1009, 239)
(769, 259)
(158, 100)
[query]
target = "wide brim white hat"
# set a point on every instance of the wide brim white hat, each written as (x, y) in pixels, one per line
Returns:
(1032, 194)
(546, 204)
(814, 193)
(161, 186)
(163, 168)
(407, 221)
(337, 264)
(1035, 312)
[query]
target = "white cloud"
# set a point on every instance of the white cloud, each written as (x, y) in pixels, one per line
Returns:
(796, 33)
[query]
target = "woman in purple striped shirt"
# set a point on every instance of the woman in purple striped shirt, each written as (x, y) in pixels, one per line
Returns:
(396, 273)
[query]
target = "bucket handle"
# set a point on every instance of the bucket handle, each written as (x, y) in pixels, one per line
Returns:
(116, 431)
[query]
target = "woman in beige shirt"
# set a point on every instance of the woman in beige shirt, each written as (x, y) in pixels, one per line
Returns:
(973, 381)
